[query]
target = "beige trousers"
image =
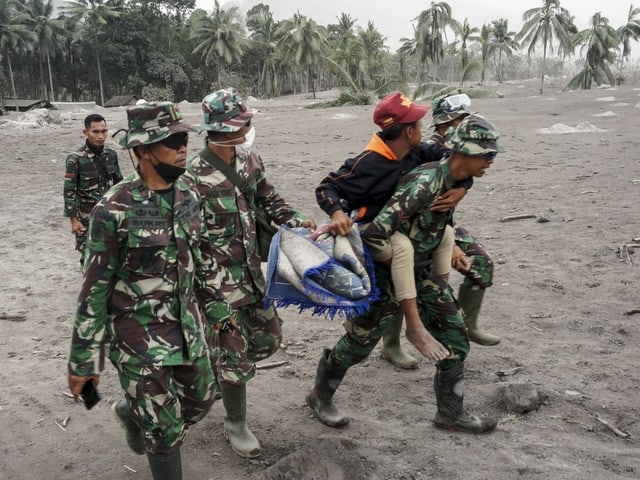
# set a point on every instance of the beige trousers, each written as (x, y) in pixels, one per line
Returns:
(400, 251)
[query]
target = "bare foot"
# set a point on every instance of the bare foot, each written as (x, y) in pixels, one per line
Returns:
(428, 346)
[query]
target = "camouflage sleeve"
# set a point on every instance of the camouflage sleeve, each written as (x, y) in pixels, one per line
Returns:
(279, 210)
(70, 186)
(412, 194)
(100, 266)
(209, 277)
(117, 174)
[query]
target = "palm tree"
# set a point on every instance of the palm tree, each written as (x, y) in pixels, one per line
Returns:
(265, 38)
(485, 48)
(627, 32)
(542, 25)
(221, 37)
(13, 34)
(93, 15)
(601, 41)
(45, 28)
(431, 36)
(373, 48)
(304, 42)
(466, 33)
(346, 48)
(503, 41)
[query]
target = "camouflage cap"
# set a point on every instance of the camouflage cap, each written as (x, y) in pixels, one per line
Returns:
(151, 123)
(224, 111)
(444, 111)
(474, 136)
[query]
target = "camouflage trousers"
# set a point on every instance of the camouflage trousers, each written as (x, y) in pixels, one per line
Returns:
(480, 275)
(439, 312)
(166, 400)
(256, 335)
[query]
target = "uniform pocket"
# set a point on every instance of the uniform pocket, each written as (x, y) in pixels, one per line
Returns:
(146, 252)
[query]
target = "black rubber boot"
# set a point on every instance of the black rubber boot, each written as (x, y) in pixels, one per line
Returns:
(133, 433)
(165, 467)
(242, 441)
(320, 398)
(449, 388)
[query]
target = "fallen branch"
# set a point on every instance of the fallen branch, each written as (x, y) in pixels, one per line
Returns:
(615, 430)
(633, 311)
(517, 217)
(13, 318)
(130, 469)
(266, 366)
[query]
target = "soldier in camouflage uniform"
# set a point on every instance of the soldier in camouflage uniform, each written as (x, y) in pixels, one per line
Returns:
(470, 258)
(231, 222)
(149, 269)
(90, 172)
(473, 147)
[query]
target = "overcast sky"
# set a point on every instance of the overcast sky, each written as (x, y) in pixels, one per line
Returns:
(393, 17)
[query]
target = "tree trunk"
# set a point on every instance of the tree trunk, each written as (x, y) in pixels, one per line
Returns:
(13, 84)
(53, 98)
(544, 61)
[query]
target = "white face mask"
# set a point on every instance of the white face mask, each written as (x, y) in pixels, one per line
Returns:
(249, 138)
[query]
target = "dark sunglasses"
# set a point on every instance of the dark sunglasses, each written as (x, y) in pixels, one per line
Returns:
(175, 141)
(490, 156)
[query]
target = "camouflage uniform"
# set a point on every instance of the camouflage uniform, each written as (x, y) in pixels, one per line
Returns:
(87, 178)
(480, 275)
(231, 225)
(408, 212)
(148, 256)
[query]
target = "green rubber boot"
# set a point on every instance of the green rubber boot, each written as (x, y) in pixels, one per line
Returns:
(449, 388)
(470, 301)
(133, 433)
(165, 467)
(242, 441)
(391, 349)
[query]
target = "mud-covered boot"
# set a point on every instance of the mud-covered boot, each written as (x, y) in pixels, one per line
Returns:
(133, 433)
(449, 388)
(391, 349)
(242, 441)
(165, 467)
(320, 398)
(470, 301)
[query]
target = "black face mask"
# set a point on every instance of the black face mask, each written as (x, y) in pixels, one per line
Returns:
(169, 173)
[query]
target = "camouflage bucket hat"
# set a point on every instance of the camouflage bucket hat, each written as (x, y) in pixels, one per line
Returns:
(474, 136)
(224, 111)
(446, 108)
(152, 123)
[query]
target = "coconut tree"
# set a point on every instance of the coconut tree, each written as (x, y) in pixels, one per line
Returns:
(485, 49)
(39, 19)
(600, 41)
(221, 35)
(346, 48)
(627, 32)
(265, 38)
(304, 42)
(466, 33)
(543, 25)
(374, 50)
(431, 36)
(13, 35)
(502, 41)
(93, 15)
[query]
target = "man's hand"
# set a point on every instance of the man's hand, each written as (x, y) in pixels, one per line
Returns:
(77, 227)
(459, 261)
(310, 224)
(76, 383)
(340, 223)
(448, 200)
